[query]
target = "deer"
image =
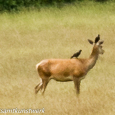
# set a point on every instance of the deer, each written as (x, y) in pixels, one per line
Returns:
(64, 70)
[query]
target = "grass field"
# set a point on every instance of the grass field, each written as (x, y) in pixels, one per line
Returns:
(26, 38)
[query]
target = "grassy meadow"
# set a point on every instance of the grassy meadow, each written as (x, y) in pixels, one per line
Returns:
(27, 37)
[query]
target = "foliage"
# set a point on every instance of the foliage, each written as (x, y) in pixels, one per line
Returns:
(17, 4)
(13, 5)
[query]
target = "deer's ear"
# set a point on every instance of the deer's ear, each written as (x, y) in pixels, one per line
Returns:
(90, 41)
(101, 42)
(97, 38)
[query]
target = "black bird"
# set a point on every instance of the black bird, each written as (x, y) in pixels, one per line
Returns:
(97, 38)
(76, 54)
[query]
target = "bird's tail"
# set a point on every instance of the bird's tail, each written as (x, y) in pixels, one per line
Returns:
(71, 56)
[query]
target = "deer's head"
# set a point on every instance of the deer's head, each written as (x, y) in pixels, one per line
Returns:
(97, 44)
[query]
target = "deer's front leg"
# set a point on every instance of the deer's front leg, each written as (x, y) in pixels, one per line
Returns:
(77, 84)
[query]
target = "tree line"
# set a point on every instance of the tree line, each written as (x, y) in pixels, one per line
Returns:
(10, 5)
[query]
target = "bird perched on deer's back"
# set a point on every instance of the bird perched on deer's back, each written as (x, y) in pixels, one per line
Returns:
(76, 54)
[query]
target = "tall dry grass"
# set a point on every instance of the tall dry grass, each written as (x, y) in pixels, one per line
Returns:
(28, 37)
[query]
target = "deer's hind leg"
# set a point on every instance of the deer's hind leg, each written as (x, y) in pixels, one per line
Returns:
(39, 86)
(42, 85)
(45, 82)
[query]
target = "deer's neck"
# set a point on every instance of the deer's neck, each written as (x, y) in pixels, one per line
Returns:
(92, 58)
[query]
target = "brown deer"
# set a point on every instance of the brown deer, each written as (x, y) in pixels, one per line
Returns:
(64, 70)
